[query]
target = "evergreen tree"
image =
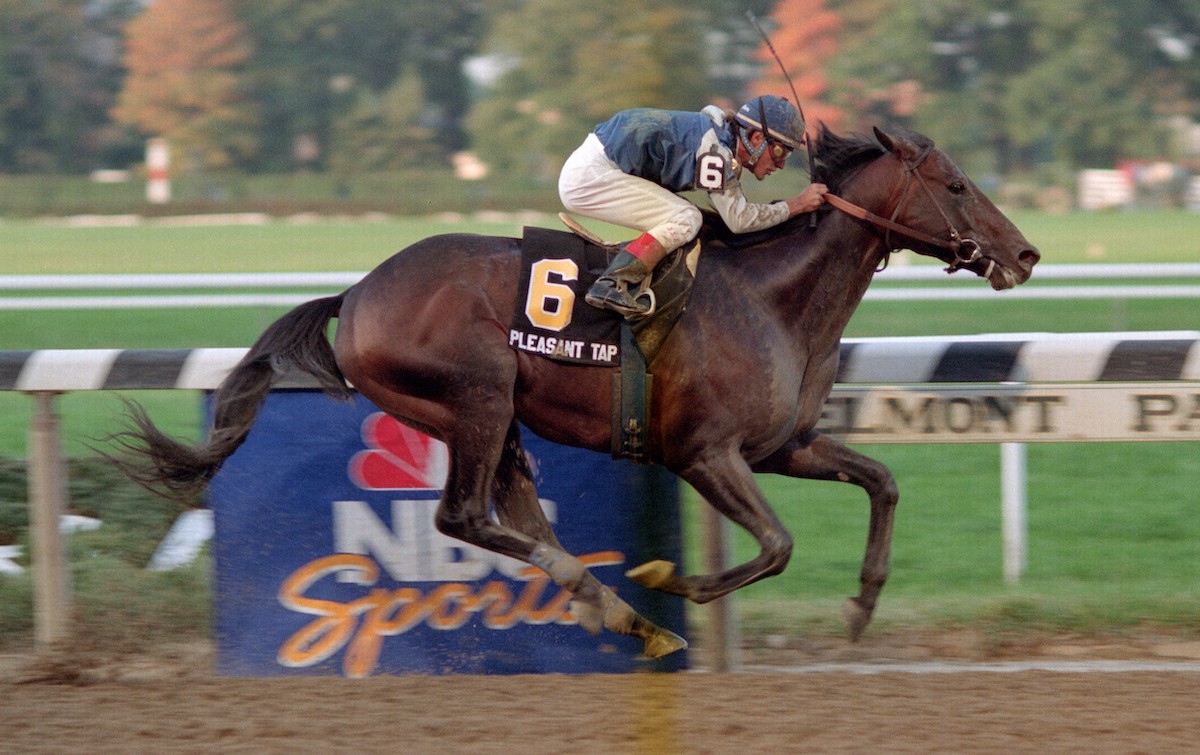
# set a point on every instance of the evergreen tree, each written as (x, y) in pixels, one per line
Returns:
(315, 61)
(384, 131)
(1009, 85)
(571, 66)
(59, 74)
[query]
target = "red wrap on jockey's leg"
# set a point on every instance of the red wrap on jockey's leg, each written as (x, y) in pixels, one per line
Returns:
(643, 247)
(647, 249)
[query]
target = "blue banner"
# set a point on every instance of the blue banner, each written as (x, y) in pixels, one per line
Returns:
(327, 559)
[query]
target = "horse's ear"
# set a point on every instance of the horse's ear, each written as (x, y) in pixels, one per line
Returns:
(901, 146)
(885, 140)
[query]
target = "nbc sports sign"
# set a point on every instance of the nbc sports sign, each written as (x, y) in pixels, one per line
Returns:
(327, 559)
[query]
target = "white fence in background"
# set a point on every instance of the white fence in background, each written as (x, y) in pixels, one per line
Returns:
(260, 288)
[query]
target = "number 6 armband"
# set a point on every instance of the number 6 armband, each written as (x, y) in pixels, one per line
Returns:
(713, 170)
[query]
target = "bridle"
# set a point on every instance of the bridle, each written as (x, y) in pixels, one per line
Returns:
(957, 244)
(965, 250)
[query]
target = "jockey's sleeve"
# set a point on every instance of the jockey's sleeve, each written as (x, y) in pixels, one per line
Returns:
(743, 216)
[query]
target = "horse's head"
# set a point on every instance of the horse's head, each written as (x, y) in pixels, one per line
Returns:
(930, 206)
(940, 200)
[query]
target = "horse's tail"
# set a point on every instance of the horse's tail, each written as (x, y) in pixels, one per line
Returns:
(298, 340)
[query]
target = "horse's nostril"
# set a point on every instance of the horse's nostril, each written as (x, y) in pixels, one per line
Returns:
(1029, 257)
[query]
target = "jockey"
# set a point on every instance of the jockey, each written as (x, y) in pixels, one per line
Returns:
(628, 170)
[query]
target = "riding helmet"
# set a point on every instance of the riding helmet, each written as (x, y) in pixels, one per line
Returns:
(775, 117)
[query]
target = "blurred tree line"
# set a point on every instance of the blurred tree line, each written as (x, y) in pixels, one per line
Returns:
(350, 86)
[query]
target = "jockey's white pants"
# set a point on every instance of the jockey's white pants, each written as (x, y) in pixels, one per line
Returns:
(593, 186)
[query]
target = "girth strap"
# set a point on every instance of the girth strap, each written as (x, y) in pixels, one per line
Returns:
(631, 402)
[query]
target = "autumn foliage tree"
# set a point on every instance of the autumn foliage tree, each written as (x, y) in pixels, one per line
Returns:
(805, 35)
(185, 61)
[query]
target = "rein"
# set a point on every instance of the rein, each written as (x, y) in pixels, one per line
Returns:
(956, 244)
(861, 213)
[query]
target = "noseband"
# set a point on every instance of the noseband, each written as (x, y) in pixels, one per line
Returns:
(965, 251)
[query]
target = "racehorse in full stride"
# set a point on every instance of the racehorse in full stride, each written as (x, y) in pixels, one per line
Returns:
(740, 380)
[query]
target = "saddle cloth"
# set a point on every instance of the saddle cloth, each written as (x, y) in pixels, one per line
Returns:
(551, 317)
(553, 320)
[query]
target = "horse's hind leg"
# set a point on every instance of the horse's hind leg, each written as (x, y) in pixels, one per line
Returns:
(524, 533)
(595, 606)
(515, 496)
(818, 457)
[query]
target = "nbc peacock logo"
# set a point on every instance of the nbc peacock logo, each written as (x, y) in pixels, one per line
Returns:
(398, 457)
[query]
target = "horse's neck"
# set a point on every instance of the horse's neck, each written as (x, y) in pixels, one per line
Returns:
(823, 274)
(816, 279)
(810, 281)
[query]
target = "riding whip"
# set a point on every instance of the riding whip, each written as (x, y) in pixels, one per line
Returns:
(754, 20)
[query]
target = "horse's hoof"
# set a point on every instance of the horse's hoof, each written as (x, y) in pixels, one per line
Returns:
(855, 618)
(652, 574)
(663, 642)
(588, 617)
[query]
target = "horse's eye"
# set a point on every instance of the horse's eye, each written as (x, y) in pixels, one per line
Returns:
(958, 187)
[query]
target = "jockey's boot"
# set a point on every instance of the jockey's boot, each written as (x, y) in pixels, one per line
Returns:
(628, 269)
(611, 290)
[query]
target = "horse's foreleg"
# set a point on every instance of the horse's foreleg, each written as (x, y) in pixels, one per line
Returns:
(818, 457)
(726, 482)
(524, 533)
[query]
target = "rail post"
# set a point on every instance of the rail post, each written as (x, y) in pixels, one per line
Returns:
(721, 635)
(47, 503)
(1014, 507)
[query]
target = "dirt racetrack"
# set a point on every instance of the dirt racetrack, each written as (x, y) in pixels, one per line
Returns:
(172, 703)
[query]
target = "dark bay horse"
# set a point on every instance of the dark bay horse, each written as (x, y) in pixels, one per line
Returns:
(739, 382)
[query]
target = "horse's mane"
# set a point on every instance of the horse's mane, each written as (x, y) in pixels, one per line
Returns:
(836, 158)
